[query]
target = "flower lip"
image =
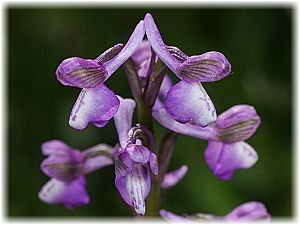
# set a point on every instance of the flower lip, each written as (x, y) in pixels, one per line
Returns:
(81, 73)
(187, 102)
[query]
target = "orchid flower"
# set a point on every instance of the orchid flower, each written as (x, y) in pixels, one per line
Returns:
(247, 212)
(226, 150)
(67, 168)
(96, 103)
(132, 160)
(187, 100)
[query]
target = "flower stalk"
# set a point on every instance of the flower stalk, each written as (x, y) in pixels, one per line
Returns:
(141, 164)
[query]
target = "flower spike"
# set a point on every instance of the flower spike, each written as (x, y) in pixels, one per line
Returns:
(208, 67)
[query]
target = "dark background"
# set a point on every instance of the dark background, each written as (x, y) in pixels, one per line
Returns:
(258, 43)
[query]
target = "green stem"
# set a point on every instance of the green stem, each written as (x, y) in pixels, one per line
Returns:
(165, 152)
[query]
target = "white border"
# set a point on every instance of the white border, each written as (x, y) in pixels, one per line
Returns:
(151, 3)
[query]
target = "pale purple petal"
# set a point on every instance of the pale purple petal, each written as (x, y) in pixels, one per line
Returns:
(153, 163)
(123, 119)
(162, 117)
(208, 67)
(56, 147)
(171, 217)
(63, 162)
(127, 51)
(109, 53)
(177, 53)
(71, 194)
(238, 123)
(81, 73)
(189, 102)
(123, 164)
(157, 43)
(96, 105)
(138, 153)
(166, 85)
(97, 157)
(172, 178)
(62, 167)
(142, 58)
(97, 163)
(249, 211)
(223, 159)
(135, 187)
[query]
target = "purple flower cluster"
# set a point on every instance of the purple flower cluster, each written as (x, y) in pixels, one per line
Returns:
(182, 108)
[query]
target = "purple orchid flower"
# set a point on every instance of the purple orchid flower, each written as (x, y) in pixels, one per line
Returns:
(187, 100)
(131, 160)
(67, 168)
(247, 212)
(226, 150)
(96, 103)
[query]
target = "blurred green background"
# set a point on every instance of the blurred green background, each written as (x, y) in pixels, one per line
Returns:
(258, 43)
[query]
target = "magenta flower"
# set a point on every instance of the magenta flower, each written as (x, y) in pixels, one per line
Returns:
(226, 150)
(247, 212)
(67, 168)
(187, 100)
(131, 160)
(96, 103)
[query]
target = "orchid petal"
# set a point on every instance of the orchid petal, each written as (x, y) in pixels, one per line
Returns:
(223, 159)
(123, 164)
(172, 178)
(249, 211)
(208, 67)
(138, 153)
(56, 147)
(97, 157)
(135, 187)
(127, 51)
(109, 53)
(63, 162)
(186, 102)
(166, 85)
(96, 105)
(71, 194)
(164, 118)
(142, 58)
(153, 163)
(123, 119)
(238, 123)
(81, 73)
(158, 45)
